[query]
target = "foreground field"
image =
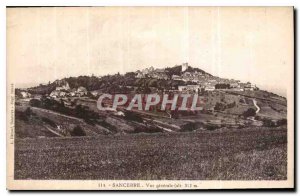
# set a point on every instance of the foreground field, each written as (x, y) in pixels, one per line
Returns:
(249, 154)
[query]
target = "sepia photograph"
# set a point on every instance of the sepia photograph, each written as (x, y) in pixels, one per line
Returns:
(150, 98)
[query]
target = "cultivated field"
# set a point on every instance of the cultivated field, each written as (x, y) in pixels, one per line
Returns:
(236, 154)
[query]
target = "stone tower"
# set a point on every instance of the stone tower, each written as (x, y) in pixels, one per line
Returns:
(184, 66)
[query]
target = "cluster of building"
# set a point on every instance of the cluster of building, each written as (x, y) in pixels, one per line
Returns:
(191, 76)
(189, 88)
(195, 81)
(152, 73)
(25, 94)
(201, 80)
(66, 91)
(211, 87)
(61, 91)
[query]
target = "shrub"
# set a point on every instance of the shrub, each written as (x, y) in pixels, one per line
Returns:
(231, 105)
(211, 127)
(28, 112)
(241, 101)
(35, 103)
(129, 115)
(110, 127)
(24, 115)
(49, 121)
(48, 103)
(219, 107)
(151, 129)
(189, 127)
(78, 131)
(21, 115)
(269, 123)
(89, 121)
(257, 118)
(174, 114)
(222, 86)
(249, 112)
(282, 122)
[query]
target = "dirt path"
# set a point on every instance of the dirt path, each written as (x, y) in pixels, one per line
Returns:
(54, 132)
(87, 129)
(255, 104)
(56, 113)
(164, 126)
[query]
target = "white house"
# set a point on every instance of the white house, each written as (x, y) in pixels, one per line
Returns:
(176, 77)
(63, 87)
(94, 93)
(25, 94)
(54, 94)
(189, 88)
(250, 87)
(81, 91)
(210, 88)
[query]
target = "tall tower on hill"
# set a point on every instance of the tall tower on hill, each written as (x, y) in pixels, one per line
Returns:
(184, 66)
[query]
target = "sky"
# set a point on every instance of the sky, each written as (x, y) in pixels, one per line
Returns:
(250, 44)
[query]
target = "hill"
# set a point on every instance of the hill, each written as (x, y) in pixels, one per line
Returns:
(226, 103)
(147, 80)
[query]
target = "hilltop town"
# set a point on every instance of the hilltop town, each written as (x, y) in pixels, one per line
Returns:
(180, 78)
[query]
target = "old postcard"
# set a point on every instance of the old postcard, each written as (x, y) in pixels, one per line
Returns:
(150, 98)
